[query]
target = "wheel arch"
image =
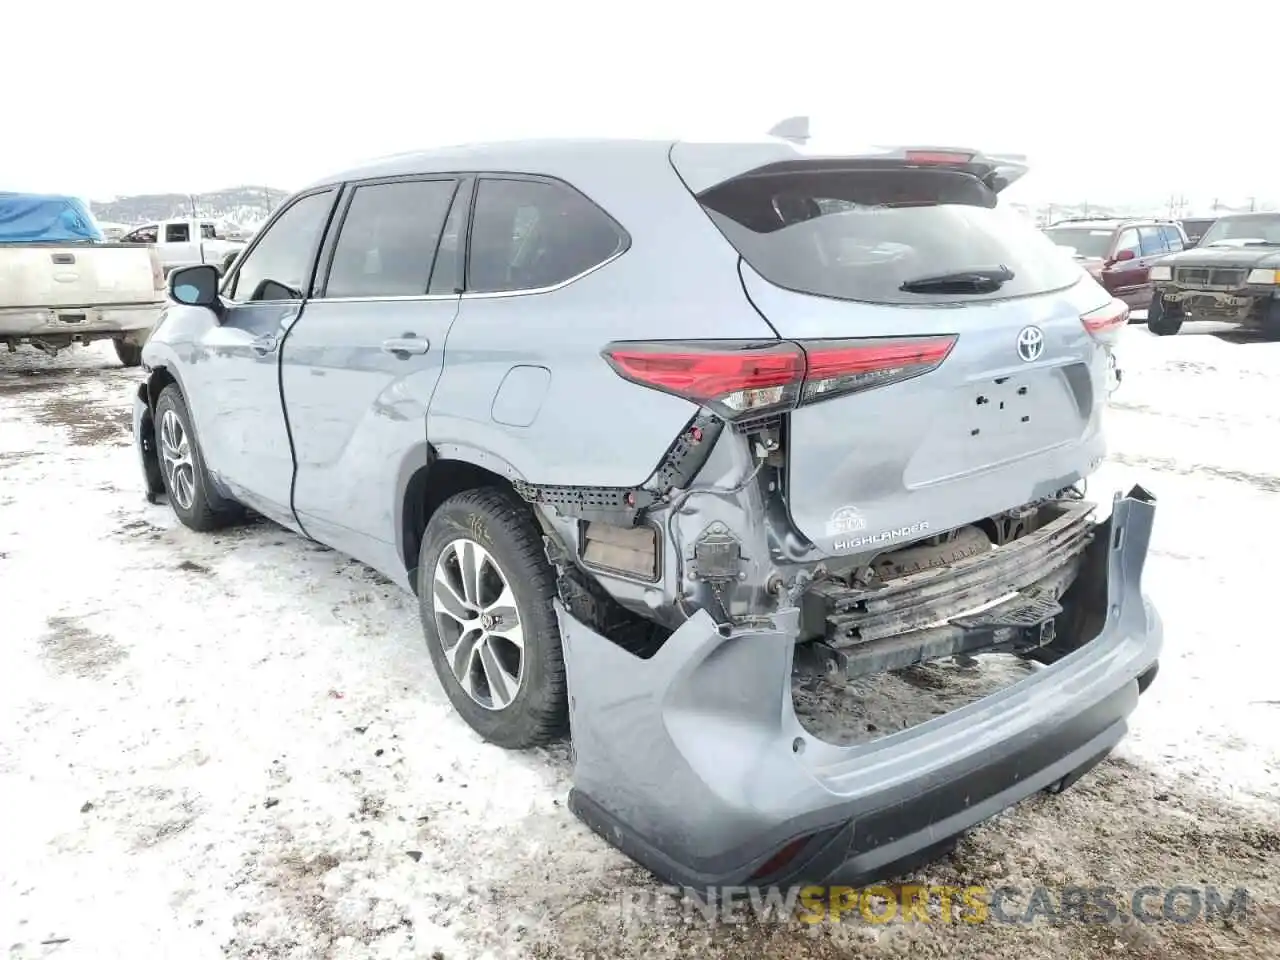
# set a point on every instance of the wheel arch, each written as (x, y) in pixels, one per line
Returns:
(161, 375)
(429, 476)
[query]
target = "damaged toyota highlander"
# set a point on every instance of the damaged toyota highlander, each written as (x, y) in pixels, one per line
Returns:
(652, 428)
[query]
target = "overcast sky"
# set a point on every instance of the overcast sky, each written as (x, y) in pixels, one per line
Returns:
(1112, 100)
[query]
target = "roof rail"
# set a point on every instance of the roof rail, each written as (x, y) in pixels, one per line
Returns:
(1092, 219)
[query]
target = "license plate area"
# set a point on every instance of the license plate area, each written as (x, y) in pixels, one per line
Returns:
(1005, 403)
(1217, 307)
(1001, 420)
(1199, 300)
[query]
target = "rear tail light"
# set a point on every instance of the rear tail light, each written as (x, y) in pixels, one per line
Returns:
(851, 366)
(1105, 323)
(746, 379)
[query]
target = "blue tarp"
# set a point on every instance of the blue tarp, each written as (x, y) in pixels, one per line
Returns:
(45, 218)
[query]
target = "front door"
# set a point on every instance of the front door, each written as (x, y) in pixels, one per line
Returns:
(1125, 278)
(358, 370)
(245, 437)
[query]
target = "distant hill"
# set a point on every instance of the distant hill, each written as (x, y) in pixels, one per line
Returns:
(246, 206)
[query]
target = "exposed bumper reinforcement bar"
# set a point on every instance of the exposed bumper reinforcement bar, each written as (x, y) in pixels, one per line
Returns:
(693, 761)
(1038, 563)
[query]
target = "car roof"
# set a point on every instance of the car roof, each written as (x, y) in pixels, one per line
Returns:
(562, 158)
(1254, 215)
(610, 161)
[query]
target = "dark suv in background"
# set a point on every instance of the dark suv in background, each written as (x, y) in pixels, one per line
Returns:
(1195, 228)
(1119, 253)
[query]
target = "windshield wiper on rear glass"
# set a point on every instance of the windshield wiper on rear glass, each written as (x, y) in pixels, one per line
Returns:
(977, 280)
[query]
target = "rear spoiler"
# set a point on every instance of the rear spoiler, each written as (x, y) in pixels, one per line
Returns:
(996, 170)
(704, 165)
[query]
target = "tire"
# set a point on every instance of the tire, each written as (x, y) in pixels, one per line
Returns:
(129, 354)
(1160, 322)
(1271, 322)
(499, 525)
(969, 541)
(194, 502)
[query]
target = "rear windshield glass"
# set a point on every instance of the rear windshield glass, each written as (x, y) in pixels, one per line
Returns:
(1090, 242)
(861, 234)
(1230, 231)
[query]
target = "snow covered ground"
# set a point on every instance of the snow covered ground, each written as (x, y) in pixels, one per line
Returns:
(234, 746)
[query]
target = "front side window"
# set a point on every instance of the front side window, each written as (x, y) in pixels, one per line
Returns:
(1172, 238)
(208, 231)
(533, 234)
(1128, 240)
(285, 252)
(388, 239)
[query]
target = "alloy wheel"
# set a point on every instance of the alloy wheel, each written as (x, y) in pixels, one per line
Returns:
(478, 624)
(175, 454)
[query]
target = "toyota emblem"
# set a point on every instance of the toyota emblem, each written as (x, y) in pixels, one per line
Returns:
(1030, 343)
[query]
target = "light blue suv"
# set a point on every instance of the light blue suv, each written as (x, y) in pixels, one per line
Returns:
(649, 427)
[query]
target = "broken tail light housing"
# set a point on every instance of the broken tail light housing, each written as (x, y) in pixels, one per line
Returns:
(1106, 322)
(743, 380)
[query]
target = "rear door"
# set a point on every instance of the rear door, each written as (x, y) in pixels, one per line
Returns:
(962, 380)
(359, 369)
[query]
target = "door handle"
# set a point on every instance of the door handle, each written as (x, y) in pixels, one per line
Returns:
(263, 345)
(404, 347)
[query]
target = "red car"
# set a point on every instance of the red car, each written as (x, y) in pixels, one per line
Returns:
(1119, 253)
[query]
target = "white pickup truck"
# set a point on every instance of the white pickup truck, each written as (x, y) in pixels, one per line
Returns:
(187, 242)
(62, 284)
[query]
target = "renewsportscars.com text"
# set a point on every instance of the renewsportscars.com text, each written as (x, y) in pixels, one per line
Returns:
(910, 903)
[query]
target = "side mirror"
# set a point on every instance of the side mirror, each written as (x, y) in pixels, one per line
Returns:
(1123, 255)
(195, 286)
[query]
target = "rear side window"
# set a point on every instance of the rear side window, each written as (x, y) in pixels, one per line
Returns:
(388, 239)
(1151, 241)
(1196, 228)
(532, 234)
(861, 234)
(285, 252)
(446, 276)
(177, 232)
